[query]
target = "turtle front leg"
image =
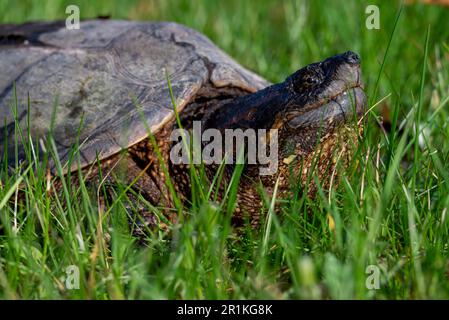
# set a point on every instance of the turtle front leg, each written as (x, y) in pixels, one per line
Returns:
(123, 178)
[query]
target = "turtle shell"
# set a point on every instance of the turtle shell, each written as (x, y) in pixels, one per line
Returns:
(103, 85)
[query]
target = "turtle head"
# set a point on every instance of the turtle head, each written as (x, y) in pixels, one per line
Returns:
(321, 114)
(329, 91)
(307, 109)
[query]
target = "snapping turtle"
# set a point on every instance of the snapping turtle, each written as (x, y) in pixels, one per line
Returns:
(102, 87)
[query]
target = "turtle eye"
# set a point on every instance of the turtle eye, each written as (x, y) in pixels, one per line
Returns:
(307, 78)
(313, 77)
(311, 80)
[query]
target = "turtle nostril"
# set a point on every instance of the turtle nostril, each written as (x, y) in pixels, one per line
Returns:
(352, 57)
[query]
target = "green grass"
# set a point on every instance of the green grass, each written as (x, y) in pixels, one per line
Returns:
(389, 210)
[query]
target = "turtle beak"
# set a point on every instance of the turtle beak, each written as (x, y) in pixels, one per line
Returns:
(342, 108)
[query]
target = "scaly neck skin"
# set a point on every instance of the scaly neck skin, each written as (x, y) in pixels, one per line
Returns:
(256, 110)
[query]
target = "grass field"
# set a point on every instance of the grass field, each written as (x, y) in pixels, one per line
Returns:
(389, 213)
